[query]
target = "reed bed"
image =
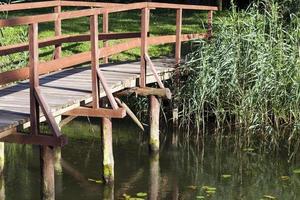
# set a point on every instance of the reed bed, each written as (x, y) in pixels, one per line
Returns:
(248, 74)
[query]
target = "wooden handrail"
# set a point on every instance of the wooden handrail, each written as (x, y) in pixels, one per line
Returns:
(81, 58)
(58, 40)
(89, 12)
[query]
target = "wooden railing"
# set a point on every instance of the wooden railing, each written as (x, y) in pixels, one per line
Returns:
(142, 40)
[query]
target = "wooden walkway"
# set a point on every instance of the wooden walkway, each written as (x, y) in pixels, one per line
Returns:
(68, 89)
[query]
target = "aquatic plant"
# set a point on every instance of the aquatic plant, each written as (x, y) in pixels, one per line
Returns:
(248, 74)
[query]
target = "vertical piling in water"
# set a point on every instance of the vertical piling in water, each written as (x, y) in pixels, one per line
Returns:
(154, 178)
(47, 173)
(2, 157)
(107, 149)
(57, 152)
(154, 124)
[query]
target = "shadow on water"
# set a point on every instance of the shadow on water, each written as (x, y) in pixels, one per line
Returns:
(187, 171)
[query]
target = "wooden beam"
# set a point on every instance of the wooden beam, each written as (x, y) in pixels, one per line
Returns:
(180, 6)
(47, 112)
(47, 173)
(99, 112)
(107, 90)
(130, 113)
(88, 4)
(147, 91)
(8, 132)
(27, 6)
(57, 25)
(34, 78)
(154, 124)
(154, 71)
(81, 58)
(178, 35)
(105, 22)
(94, 59)
(58, 40)
(209, 24)
(45, 140)
(144, 45)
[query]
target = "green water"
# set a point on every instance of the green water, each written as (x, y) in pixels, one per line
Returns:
(187, 171)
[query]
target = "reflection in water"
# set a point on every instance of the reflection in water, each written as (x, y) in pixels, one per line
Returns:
(154, 177)
(184, 172)
(2, 188)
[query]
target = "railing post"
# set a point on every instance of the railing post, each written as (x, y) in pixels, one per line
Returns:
(209, 24)
(144, 44)
(105, 30)
(57, 53)
(178, 35)
(33, 77)
(95, 59)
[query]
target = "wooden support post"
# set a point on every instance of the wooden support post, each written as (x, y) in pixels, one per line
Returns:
(105, 30)
(57, 52)
(57, 152)
(220, 4)
(2, 157)
(178, 35)
(107, 149)
(33, 77)
(154, 124)
(47, 173)
(144, 45)
(95, 59)
(209, 24)
(154, 178)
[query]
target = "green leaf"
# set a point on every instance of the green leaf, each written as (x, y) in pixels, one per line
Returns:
(226, 176)
(296, 171)
(269, 197)
(141, 194)
(200, 197)
(193, 187)
(95, 181)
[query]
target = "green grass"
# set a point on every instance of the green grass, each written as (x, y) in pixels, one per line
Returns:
(162, 23)
(247, 75)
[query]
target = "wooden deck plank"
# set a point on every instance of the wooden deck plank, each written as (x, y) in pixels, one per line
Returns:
(66, 89)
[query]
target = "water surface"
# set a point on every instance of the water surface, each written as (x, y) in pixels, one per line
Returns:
(186, 171)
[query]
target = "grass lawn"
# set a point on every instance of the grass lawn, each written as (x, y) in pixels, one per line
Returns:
(162, 22)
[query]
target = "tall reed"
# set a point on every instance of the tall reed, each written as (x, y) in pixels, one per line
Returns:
(247, 74)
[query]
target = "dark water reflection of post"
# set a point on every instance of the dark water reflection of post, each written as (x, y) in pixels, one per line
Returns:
(2, 187)
(108, 192)
(154, 178)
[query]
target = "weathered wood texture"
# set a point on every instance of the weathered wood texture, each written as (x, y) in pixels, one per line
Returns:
(67, 89)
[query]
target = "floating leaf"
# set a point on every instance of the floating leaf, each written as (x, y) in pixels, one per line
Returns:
(269, 197)
(296, 171)
(200, 197)
(210, 191)
(226, 176)
(193, 187)
(135, 198)
(284, 178)
(126, 196)
(95, 181)
(248, 149)
(141, 194)
(209, 188)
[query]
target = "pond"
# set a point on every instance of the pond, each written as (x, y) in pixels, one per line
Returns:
(186, 171)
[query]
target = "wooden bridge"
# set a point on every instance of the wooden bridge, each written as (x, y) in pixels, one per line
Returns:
(77, 85)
